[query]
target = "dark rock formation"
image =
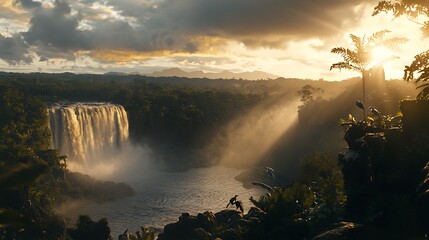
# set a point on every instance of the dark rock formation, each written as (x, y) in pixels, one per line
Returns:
(346, 230)
(87, 229)
(190, 227)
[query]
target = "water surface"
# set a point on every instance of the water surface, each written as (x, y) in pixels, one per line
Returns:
(161, 197)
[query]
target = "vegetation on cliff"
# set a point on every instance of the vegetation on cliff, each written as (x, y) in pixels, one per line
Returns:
(33, 178)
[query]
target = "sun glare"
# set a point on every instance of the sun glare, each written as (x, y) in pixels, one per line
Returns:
(380, 55)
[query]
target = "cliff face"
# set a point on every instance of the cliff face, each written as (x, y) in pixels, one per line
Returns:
(415, 117)
(386, 173)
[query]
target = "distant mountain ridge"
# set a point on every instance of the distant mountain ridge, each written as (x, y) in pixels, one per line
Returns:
(177, 72)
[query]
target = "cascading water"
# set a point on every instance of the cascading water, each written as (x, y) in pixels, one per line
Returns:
(82, 131)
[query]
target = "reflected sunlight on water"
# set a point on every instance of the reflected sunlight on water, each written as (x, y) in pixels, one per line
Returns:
(161, 197)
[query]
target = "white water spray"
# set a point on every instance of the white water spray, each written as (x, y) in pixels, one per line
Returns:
(94, 137)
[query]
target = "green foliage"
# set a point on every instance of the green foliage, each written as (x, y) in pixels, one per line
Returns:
(23, 123)
(281, 203)
(325, 175)
(382, 170)
(144, 234)
(310, 204)
(184, 117)
(375, 122)
(14, 177)
(29, 174)
(23, 215)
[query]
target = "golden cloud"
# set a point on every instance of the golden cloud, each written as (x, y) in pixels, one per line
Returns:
(10, 11)
(125, 56)
(207, 46)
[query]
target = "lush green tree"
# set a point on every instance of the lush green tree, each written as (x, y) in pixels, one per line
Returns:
(310, 204)
(23, 124)
(29, 174)
(324, 174)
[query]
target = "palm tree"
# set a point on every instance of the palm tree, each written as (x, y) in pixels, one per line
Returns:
(360, 58)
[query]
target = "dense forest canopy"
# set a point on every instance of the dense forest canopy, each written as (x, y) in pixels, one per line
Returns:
(377, 187)
(178, 110)
(188, 114)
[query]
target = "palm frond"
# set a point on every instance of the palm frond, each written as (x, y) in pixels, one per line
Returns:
(347, 55)
(423, 86)
(352, 57)
(423, 94)
(424, 76)
(344, 65)
(420, 65)
(393, 43)
(377, 36)
(263, 185)
(357, 41)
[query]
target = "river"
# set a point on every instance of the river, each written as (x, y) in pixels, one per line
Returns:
(161, 197)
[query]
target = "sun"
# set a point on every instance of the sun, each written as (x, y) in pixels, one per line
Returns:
(380, 55)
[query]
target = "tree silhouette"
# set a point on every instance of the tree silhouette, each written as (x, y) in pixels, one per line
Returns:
(360, 58)
(412, 9)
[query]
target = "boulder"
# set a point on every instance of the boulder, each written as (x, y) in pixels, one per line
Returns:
(228, 234)
(346, 231)
(190, 227)
(201, 234)
(228, 216)
(255, 212)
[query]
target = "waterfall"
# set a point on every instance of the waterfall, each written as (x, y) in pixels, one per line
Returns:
(82, 131)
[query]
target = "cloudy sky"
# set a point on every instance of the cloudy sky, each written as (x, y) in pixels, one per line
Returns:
(290, 38)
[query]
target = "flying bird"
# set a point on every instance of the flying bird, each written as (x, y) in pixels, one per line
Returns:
(270, 172)
(359, 104)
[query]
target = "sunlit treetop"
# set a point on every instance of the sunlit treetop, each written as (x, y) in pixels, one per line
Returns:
(411, 8)
(367, 52)
(420, 66)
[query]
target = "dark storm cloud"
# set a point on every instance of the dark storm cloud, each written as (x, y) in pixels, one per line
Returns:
(176, 25)
(29, 3)
(14, 50)
(296, 19)
(43, 59)
(56, 27)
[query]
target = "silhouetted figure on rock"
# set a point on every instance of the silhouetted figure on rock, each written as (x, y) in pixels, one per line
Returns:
(232, 201)
(239, 205)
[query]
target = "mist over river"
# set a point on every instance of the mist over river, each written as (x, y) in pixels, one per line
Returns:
(95, 137)
(161, 197)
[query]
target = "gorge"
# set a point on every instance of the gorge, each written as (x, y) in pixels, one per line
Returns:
(88, 134)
